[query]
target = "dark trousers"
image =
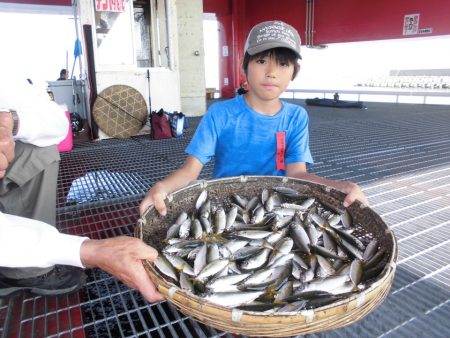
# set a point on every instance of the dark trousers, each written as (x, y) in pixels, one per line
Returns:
(28, 189)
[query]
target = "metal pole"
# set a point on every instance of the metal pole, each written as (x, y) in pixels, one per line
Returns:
(75, 20)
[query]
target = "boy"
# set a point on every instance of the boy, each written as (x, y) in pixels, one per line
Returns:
(255, 133)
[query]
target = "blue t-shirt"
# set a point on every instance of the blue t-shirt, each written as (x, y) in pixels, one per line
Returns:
(244, 141)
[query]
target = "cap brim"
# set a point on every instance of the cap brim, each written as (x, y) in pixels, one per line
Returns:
(271, 45)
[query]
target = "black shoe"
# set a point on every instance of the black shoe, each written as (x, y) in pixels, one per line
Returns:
(62, 279)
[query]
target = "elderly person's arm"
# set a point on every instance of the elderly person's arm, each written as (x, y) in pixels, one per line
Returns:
(29, 243)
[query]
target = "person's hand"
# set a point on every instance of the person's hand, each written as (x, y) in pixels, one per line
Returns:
(122, 257)
(353, 192)
(155, 196)
(7, 144)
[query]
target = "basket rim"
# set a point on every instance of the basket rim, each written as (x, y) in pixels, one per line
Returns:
(372, 296)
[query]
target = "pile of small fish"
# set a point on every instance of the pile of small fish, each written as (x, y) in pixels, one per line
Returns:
(283, 251)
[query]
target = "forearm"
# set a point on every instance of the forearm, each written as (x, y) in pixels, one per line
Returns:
(92, 253)
(182, 177)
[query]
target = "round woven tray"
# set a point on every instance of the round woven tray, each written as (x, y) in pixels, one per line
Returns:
(120, 111)
(151, 228)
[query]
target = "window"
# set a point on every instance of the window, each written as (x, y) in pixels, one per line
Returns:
(114, 37)
(151, 33)
(138, 38)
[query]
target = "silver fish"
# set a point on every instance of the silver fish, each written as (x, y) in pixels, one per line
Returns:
(283, 212)
(180, 264)
(165, 267)
(281, 260)
(233, 299)
(285, 291)
(185, 282)
(242, 202)
(213, 267)
(200, 259)
(329, 243)
(325, 264)
(173, 231)
(234, 245)
(346, 219)
(288, 192)
(181, 217)
(256, 261)
(308, 203)
(258, 215)
(269, 204)
(300, 261)
(253, 234)
(371, 249)
(264, 196)
(252, 203)
(245, 252)
(324, 284)
(201, 199)
(193, 254)
(356, 272)
(220, 220)
(213, 252)
(231, 217)
(293, 307)
(260, 276)
(300, 237)
(220, 283)
(206, 225)
(281, 248)
(196, 229)
(185, 228)
(334, 219)
(205, 209)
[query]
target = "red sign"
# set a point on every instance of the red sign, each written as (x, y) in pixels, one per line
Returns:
(281, 148)
(110, 5)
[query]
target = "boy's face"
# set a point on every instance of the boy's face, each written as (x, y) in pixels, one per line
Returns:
(267, 78)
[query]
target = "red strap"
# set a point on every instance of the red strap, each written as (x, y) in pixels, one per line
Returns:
(281, 147)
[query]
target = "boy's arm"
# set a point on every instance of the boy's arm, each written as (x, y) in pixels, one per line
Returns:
(353, 191)
(178, 179)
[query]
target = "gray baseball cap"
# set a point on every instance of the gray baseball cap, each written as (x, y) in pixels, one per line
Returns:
(272, 34)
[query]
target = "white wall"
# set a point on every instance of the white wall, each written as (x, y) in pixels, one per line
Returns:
(164, 82)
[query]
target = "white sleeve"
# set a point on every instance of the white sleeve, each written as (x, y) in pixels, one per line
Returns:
(42, 121)
(26, 242)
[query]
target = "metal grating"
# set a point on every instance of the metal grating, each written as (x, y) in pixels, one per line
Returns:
(399, 154)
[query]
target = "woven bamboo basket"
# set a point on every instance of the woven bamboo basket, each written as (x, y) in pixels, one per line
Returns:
(151, 228)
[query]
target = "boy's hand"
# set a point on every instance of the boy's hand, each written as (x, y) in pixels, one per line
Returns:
(353, 192)
(155, 196)
(122, 257)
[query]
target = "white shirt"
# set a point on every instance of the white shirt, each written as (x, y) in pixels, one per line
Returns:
(42, 121)
(26, 242)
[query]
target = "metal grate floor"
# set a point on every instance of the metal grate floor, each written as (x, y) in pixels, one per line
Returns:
(399, 154)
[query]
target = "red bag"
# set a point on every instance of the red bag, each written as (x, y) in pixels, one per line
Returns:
(160, 125)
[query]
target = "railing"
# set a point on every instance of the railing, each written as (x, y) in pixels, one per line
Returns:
(328, 93)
